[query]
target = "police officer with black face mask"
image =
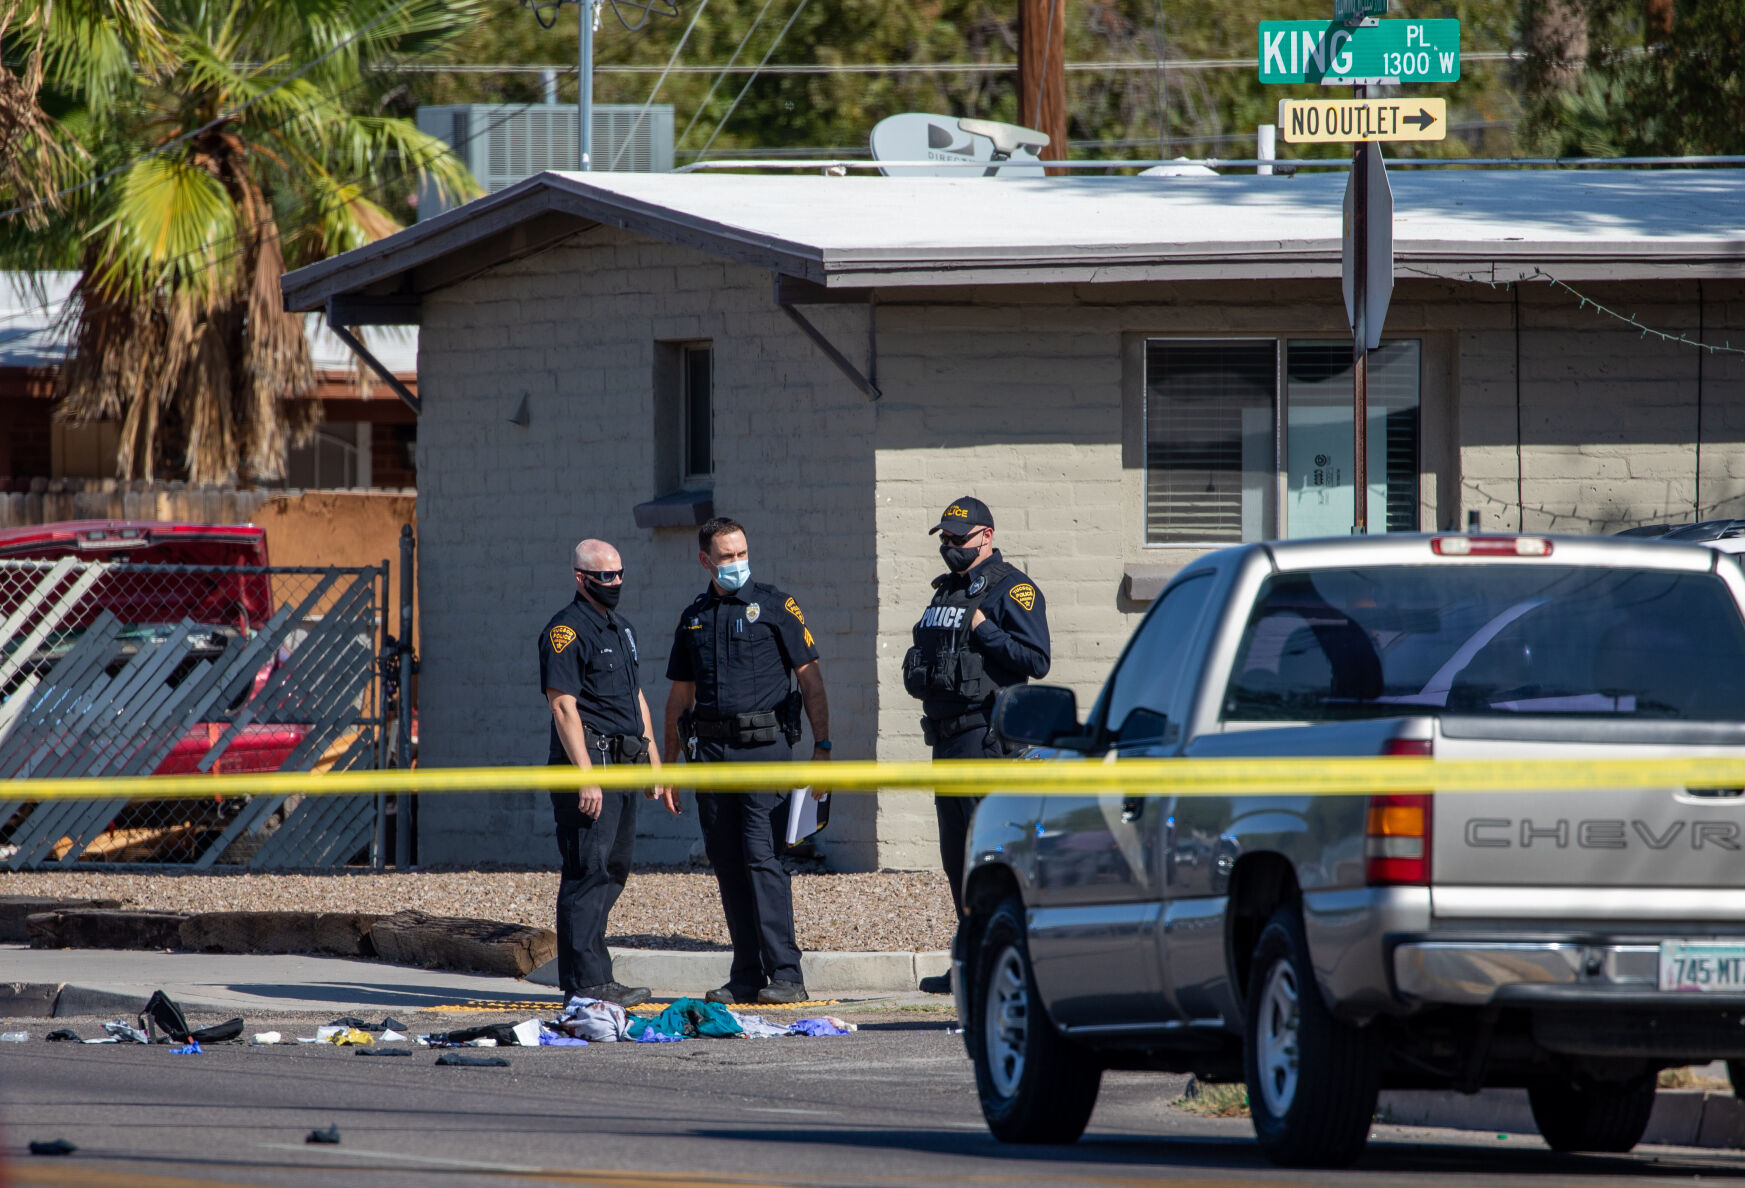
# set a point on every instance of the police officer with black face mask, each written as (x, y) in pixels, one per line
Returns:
(588, 667)
(986, 628)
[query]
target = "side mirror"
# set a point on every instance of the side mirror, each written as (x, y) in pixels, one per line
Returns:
(1036, 715)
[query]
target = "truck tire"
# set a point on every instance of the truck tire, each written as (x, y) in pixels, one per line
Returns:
(1036, 1086)
(1609, 1116)
(1312, 1080)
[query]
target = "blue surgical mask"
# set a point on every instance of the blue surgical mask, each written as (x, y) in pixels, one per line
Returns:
(733, 574)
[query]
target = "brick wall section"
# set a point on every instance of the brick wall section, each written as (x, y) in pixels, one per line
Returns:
(500, 506)
(1608, 417)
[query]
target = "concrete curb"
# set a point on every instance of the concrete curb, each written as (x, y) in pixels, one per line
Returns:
(825, 973)
(1681, 1118)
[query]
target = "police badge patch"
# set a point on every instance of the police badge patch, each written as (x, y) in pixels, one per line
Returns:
(561, 638)
(752, 612)
(1024, 594)
(977, 586)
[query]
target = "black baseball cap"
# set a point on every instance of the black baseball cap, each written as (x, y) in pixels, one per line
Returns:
(963, 516)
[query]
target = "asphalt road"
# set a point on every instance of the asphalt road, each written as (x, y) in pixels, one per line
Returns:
(893, 1104)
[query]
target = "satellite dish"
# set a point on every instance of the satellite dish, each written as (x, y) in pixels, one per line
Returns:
(955, 143)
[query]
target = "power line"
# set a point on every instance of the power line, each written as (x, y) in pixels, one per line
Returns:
(734, 106)
(647, 104)
(1146, 64)
(722, 76)
(226, 117)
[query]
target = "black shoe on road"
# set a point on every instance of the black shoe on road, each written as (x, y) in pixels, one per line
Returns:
(781, 993)
(729, 994)
(618, 992)
(937, 984)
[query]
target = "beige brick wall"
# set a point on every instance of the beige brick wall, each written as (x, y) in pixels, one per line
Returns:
(500, 505)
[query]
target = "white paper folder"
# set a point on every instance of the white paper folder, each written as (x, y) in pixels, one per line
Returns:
(805, 815)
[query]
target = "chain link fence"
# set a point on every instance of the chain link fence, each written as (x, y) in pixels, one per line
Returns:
(110, 668)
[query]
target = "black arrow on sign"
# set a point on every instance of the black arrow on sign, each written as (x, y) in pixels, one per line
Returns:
(1423, 119)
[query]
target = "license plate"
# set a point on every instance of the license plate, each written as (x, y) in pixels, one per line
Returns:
(1702, 966)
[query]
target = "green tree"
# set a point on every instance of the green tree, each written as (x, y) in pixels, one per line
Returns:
(1659, 78)
(199, 173)
(1122, 112)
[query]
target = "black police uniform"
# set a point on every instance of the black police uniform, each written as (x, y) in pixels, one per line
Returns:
(739, 649)
(956, 671)
(591, 655)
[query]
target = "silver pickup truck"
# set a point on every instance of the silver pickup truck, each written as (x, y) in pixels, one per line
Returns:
(1573, 943)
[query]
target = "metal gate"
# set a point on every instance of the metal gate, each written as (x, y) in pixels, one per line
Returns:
(115, 669)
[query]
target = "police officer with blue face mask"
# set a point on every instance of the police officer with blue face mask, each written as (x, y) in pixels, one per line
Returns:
(985, 628)
(733, 701)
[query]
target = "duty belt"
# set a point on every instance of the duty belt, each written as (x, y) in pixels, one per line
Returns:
(761, 726)
(933, 729)
(621, 748)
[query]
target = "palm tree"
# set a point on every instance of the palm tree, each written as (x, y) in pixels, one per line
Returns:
(204, 172)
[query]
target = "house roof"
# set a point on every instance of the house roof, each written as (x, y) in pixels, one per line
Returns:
(32, 334)
(865, 232)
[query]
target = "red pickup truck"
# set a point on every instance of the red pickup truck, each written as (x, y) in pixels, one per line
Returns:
(150, 606)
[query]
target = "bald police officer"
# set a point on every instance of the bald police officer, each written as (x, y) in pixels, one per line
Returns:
(588, 667)
(986, 628)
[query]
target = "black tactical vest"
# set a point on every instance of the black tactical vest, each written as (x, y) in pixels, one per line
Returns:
(940, 668)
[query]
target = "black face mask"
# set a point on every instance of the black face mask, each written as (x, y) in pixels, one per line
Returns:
(959, 558)
(606, 596)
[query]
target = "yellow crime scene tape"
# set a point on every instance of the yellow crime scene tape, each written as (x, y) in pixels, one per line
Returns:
(1306, 776)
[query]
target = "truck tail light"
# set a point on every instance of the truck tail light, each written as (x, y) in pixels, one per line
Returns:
(1396, 841)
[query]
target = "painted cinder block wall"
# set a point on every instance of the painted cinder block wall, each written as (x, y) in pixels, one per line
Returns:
(1029, 397)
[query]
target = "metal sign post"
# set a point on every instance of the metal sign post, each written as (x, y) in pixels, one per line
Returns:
(589, 11)
(1368, 281)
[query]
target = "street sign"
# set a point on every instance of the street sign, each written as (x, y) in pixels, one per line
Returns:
(1376, 226)
(1397, 51)
(1336, 121)
(1352, 11)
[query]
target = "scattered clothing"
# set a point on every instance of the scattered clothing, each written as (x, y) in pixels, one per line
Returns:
(125, 1034)
(757, 1027)
(390, 1036)
(691, 1017)
(595, 1020)
(162, 1014)
(818, 1027)
(381, 1051)
(52, 1147)
(527, 1033)
(330, 1135)
(551, 1039)
(500, 1034)
(14, 1037)
(462, 1060)
(218, 1033)
(648, 1035)
(350, 1037)
(191, 1049)
(63, 1036)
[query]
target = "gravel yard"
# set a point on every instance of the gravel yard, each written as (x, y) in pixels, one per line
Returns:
(660, 908)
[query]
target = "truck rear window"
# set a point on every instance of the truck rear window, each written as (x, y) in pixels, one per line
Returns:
(1490, 639)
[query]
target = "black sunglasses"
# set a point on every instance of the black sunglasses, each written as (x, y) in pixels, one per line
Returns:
(604, 576)
(959, 541)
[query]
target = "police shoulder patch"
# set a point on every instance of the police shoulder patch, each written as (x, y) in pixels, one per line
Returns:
(752, 613)
(1024, 594)
(809, 641)
(793, 608)
(562, 637)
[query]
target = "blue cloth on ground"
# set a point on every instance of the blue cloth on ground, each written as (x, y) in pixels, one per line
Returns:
(193, 1049)
(815, 1027)
(551, 1040)
(649, 1035)
(690, 1016)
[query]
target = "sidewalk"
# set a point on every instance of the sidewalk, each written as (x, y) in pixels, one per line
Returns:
(108, 981)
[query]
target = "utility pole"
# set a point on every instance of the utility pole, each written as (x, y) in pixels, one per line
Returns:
(589, 13)
(1042, 72)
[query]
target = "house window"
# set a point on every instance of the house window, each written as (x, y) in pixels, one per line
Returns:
(698, 374)
(339, 457)
(1227, 461)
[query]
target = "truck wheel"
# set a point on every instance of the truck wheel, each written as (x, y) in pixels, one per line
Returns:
(1736, 1074)
(1592, 1117)
(1312, 1080)
(1036, 1086)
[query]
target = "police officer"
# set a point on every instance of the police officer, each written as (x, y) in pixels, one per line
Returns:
(731, 701)
(588, 669)
(986, 628)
